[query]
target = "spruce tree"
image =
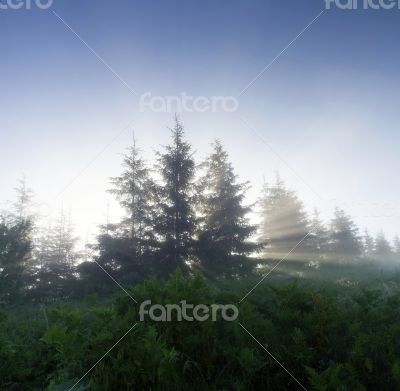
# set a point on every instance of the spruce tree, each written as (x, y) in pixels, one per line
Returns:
(15, 252)
(383, 249)
(368, 244)
(225, 228)
(345, 242)
(22, 205)
(56, 258)
(284, 225)
(175, 220)
(125, 248)
(318, 238)
(133, 189)
(16, 245)
(396, 245)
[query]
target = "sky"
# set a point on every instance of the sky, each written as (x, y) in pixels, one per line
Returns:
(322, 110)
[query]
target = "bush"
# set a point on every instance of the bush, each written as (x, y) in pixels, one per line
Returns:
(328, 339)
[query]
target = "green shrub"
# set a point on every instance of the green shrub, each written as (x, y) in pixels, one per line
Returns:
(328, 339)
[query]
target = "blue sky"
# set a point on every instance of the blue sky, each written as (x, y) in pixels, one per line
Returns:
(325, 113)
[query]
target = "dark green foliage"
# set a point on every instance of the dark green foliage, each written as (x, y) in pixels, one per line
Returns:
(224, 230)
(330, 335)
(133, 190)
(126, 249)
(328, 338)
(15, 251)
(16, 245)
(175, 220)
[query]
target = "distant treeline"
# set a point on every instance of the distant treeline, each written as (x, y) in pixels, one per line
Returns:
(178, 214)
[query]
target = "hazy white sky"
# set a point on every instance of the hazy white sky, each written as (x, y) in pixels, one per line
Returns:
(324, 114)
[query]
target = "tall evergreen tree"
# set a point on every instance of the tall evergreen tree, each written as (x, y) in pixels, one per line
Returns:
(383, 249)
(318, 238)
(126, 247)
(225, 229)
(368, 244)
(56, 258)
(133, 190)
(16, 245)
(345, 242)
(15, 252)
(175, 221)
(284, 224)
(396, 245)
(23, 203)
